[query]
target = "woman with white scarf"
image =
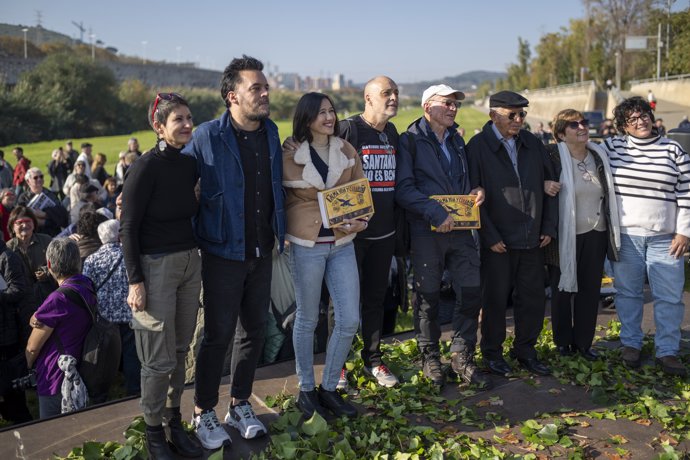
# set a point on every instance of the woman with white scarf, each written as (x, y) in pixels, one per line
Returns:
(588, 229)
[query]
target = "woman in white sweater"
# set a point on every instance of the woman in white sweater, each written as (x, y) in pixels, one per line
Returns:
(652, 182)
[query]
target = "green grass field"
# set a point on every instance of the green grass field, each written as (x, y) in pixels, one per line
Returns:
(39, 152)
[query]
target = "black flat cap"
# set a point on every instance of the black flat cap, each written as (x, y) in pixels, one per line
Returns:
(507, 99)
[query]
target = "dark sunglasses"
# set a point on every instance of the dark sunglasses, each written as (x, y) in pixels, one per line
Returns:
(512, 115)
(165, 96)
(575, 124)
(448, 103)
(383, 138)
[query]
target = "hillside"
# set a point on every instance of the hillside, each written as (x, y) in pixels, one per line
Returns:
(463, 81)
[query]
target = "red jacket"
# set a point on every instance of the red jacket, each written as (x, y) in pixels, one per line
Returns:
(20, 171)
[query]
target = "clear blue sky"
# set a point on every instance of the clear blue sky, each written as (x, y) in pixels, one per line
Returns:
(407, 40)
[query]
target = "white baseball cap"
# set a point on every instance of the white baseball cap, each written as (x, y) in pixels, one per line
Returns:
(441, 90)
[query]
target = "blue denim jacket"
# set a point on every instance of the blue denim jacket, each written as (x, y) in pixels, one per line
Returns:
(219, 224)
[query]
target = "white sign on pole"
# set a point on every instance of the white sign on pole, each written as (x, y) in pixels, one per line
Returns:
(635, 42)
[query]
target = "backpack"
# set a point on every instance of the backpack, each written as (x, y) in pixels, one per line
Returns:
(100, 357)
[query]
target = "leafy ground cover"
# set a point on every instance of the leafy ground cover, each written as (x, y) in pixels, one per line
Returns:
(586, 410)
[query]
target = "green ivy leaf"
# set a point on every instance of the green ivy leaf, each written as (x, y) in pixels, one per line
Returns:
(315, 425)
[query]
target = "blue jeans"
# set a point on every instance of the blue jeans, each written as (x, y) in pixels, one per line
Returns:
(310, 266)
(640, 254)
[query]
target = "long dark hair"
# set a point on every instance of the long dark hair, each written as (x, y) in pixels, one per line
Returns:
(306, 112)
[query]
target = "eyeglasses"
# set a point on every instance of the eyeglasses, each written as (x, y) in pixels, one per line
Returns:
(38, 176)
(159, 96)
(383, 138)
(633, 120)
(448, 103)
(512, 115)
(25, 221)
(576, 124)
(586, 175)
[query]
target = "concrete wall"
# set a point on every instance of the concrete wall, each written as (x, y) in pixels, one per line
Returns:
(152, 74)
(546, 103)
(677, 91)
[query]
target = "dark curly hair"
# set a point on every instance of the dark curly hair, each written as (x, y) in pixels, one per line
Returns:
(629, 106)
(231, 74)
(88, 223)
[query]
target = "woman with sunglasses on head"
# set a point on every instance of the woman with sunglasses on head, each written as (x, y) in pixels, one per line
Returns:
(651, 175)
(164, 271)
(587, 229)
(321, 161)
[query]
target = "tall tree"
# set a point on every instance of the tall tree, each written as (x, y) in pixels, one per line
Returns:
(78, 96)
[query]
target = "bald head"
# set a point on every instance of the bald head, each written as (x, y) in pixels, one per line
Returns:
(380, 99)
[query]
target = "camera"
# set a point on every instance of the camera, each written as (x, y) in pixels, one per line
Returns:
(26, 382)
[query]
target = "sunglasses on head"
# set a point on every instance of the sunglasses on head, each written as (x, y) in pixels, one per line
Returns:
(164, 96)
(576, 124)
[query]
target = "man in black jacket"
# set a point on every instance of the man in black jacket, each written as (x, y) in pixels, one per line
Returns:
(433, 161)
(518, 219)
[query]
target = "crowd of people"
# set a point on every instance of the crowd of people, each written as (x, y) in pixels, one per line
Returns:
(196, 221)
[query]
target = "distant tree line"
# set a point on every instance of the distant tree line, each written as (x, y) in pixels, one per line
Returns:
(588, 47)
(69, 96)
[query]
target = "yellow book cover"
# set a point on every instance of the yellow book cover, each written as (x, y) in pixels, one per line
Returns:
(461, 207)
(348, 201)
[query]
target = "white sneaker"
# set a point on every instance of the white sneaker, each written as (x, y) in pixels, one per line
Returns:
(383, 375)
(342, 381)
(209, 430)
(243, 418)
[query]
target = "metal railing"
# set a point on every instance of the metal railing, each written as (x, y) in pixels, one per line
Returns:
(666, 78)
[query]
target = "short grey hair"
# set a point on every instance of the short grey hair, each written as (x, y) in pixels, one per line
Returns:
(108, 231)
(31, 172)
(63, 256)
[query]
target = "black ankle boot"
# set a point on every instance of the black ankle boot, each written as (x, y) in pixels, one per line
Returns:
(157, 445)
(180, 441)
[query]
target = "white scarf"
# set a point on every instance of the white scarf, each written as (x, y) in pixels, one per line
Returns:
(566, 210)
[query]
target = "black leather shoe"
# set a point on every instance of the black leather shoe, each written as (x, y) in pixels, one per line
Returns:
(332, 401)
(182, 442)
(308, 403)
(589, 354)
(564, 350)
(157, 445)
(534, 366)
(498, 366)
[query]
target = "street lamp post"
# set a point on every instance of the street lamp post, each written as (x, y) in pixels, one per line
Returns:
(93, 47)
(26, 51)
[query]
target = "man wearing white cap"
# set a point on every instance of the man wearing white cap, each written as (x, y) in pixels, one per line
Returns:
(433, 161)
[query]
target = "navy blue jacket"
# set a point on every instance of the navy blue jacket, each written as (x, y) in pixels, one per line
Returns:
(419, 177)
(219, 224)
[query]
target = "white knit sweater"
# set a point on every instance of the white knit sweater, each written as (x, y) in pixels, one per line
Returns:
(652, 184)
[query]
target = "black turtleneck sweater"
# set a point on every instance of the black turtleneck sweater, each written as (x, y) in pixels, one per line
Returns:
(158, 203)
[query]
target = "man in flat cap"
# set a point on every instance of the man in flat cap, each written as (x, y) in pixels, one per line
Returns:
(518, 219)
(433, 161)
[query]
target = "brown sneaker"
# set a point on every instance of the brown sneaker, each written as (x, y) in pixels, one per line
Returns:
(631, 357)
(672, 365)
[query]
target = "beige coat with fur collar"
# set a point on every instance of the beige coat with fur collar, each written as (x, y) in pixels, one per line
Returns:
(302, 181)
